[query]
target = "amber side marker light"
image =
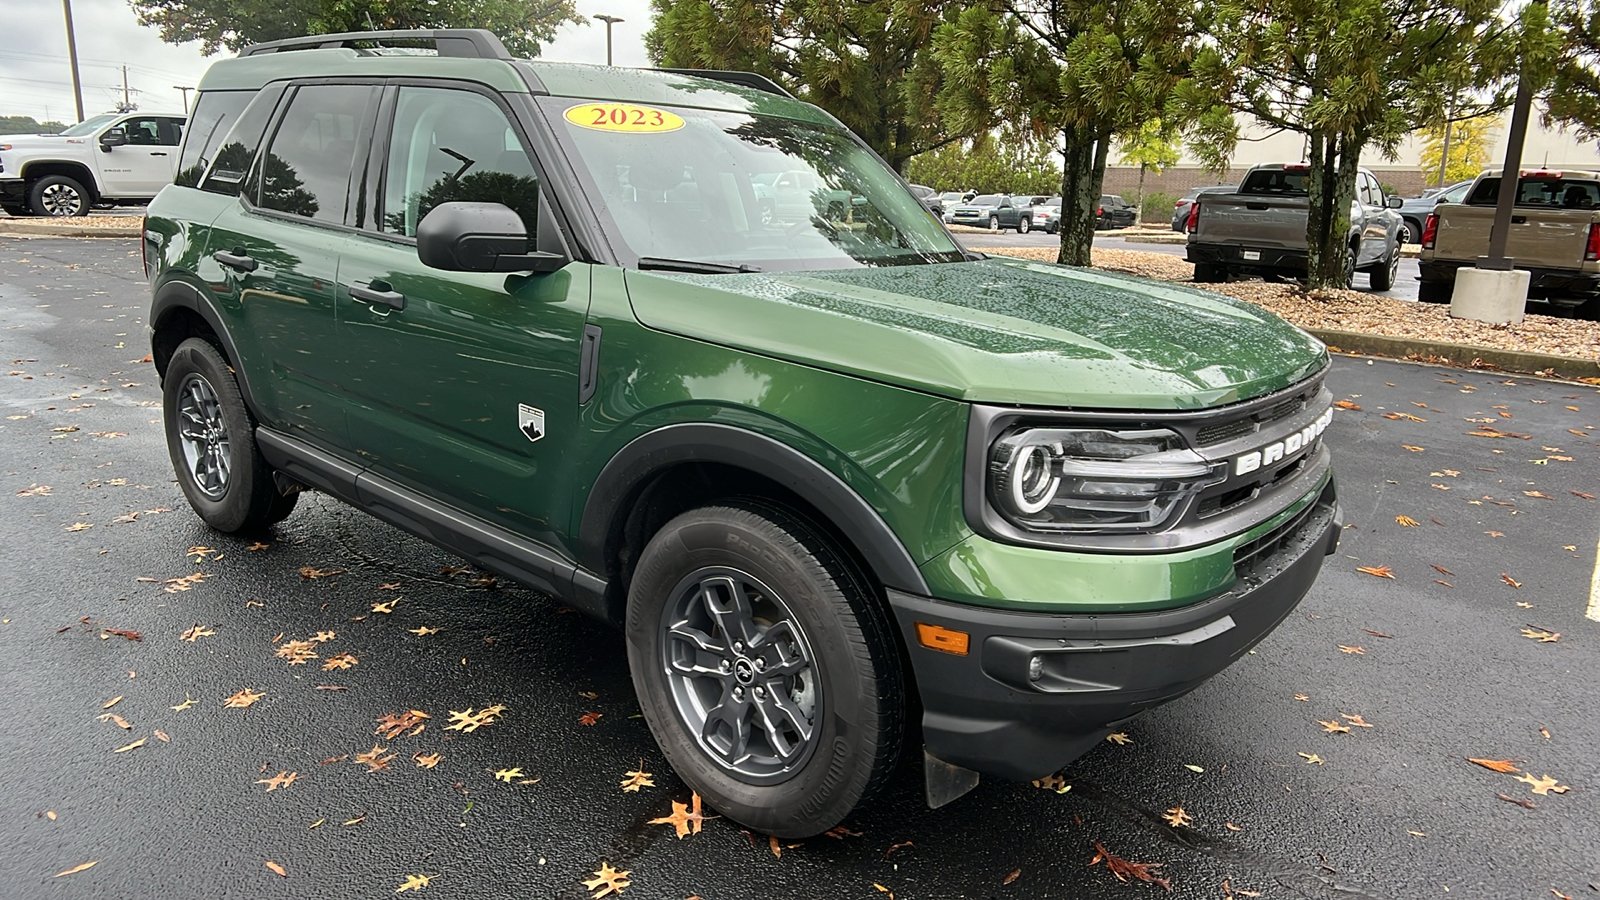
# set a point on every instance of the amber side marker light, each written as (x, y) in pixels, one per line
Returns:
(938, 637)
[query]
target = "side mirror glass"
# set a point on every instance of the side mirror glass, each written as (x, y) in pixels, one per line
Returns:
(479, 237)
(113, 137)
(1394, 202)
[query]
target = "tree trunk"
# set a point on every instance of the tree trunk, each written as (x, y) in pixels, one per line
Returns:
(1080, 195)
(1332, 188)
(1138, 197)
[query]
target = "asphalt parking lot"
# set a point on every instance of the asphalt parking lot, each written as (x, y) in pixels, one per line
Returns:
(1495, 478)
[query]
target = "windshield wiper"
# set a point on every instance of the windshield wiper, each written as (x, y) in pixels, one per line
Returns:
(689, 265)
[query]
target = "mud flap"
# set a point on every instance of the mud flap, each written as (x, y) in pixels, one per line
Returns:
(944, 782)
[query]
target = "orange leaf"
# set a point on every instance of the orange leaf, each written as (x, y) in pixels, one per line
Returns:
(1509, 580)
(1495, 765)
(1342, 404)
(76, 869)
(1377, 571)
(278, 870)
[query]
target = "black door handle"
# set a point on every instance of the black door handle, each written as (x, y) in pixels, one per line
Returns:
(235, 259)
(158, 153)
(366, 293)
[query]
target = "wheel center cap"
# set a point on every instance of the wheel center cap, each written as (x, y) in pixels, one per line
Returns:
(744, 671)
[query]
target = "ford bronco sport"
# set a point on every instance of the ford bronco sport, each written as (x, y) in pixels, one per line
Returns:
(826, 471)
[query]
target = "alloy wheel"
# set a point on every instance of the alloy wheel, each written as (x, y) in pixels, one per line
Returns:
(204, 434)
(741, 675)
(60, 200)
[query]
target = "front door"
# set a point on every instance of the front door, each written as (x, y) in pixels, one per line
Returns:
(463, 385)
(144, 165)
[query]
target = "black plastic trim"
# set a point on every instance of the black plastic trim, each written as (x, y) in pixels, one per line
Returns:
(180, 294)
(469, 43)
(588, 363)
(488, 546)
(634, 465)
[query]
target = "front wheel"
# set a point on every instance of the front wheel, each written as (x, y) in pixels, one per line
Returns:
(765, 667)
(994, 223)
(58, 195)
(211, 439)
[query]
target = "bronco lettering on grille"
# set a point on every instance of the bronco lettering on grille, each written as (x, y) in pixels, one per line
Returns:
(1300, 440)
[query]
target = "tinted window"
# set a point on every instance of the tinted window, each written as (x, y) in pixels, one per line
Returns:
(1549, 191)
(1276, 181)
(227, 169)
(450, 145)
(144, 131)
(986, 200)
(214, 115)
(307, 166)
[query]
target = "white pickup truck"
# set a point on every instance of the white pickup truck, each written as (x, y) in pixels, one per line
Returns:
(114, 159)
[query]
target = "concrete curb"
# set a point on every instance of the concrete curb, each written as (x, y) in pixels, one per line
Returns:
(1464, 355)
(24, 228)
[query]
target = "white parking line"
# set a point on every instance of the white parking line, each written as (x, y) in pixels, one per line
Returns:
(1593, 612)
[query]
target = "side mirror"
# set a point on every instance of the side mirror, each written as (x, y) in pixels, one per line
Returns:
(1393, 202)
(113, 137)
(479, 237)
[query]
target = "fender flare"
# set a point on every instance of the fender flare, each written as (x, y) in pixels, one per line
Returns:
(652, 453)
(176, 294)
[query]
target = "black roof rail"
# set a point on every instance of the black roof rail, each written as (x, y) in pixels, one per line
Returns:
(471, 43)
(747, 79)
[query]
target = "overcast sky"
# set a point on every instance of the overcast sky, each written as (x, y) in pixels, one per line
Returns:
(35, 79)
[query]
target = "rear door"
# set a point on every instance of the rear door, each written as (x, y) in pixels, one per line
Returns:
(275, 253)
(455, 380)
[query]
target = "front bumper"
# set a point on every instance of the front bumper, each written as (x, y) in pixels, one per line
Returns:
(13, 190)
(998, 712)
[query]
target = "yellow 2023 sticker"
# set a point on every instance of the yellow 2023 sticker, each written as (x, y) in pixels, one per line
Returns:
(623, 117)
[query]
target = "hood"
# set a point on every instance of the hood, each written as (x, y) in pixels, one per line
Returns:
(995, 331)
(36, 139)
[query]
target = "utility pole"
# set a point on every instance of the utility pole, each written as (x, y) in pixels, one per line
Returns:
(185, 88)
(126, 105)
(72, 54)
(610, 21)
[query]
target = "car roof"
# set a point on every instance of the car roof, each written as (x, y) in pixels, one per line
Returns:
(510, 76)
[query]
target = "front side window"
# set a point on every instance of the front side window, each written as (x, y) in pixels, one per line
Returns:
(144, 132)
(738, 189)
(306, 169)
(453, 145)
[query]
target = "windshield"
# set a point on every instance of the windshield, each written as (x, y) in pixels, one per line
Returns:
(985, 200)
(90, 125)
(954, 196)
(743, 190)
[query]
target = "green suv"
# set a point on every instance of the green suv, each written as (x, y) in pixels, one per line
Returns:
(845, 485)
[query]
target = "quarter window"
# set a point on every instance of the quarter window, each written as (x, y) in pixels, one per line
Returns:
(215, 113)
(451, 145)
(306, 170)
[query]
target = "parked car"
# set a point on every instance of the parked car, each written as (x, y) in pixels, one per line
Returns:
(1047, 215)
(796, 196)
(114, 159)
(820, 476)
(1415, 211)
(929, 198)
(997, 212)
(1180, 209)
(1555, 235)
(1114, 212)
(1261, 228)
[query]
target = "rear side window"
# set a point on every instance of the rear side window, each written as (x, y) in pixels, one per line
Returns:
(452, 145)
(1549, 192)
(1276, 181)
(225, 170)
(306, 169)
(215, 113)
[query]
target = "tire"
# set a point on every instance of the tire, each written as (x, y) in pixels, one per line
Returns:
(211, 439)
(1410, 232)
(1024, 225)
(1383, 277)
(1210, 273)
(1350, 270)
(994, 223)
(788, 781)
(58, 195)
(1435, 291)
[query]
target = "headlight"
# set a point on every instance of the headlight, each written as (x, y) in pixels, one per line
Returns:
(1091, 480)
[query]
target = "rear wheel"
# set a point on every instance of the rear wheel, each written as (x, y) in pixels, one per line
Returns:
(1411, 232)
(1024, 225)
(1384, 276)
(1435, 291)
(211, 439)
(765, 667)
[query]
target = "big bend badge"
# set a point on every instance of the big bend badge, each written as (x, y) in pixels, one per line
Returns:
(530, 421)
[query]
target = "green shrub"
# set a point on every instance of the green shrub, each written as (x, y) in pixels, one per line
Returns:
(1157, 207)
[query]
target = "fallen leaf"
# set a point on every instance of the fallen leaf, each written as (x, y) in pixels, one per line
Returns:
(470, 721)
(122, 633)
(115, 719)
(1053, 783)
(296, 652)
(282, 779)
(418, 882)
(76, 869)
(1377, 571)
(1509, 580)
(112, 702)
(1120, 738)
(342, 661)
(1541, 635)
(187, 702)
(196, 633)
(386, 606)
(774, 846)
(1407, 521)
(133, 746)
(1495, 534)
(279, 870)
(1302, 697)
(508, 775)
(1545, 732)
(322, 637)
(1544, 785)
(839, 832)
(1378, 634)
(162, 736)
(1541, 495)
(1312, 759)
(1348, 649)
(1504, 766)
(426, 760)
(1124, 870)
(1178, 817)
(243, 699)
(1525, 804)
(1345, 404)
(1332, 727)
(310, 574)
(423, 630)
(258, 545)
(1355, 721)
(393, 725)
(589, 718)
(1406, 416)
(1582, 495)
(637, 779)
(374, 759)
(1193, 768)
(606, 881)
(1015, 874)
(79, 526)
(686, 818)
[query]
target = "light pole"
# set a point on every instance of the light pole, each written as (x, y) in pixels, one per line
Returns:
(610, 21)
(185, 89)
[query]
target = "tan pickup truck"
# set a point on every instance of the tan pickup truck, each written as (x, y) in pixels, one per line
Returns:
(1555, 235)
